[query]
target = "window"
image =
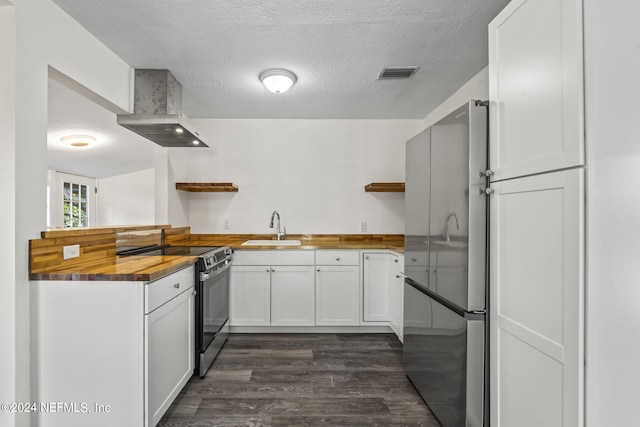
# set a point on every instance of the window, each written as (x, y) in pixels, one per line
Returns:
(72, 201)
(75, 205)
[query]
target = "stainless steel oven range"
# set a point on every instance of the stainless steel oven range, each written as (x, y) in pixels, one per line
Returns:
(212, 306)
(212, 296)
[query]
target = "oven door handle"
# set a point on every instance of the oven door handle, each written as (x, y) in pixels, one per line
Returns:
(204, 276)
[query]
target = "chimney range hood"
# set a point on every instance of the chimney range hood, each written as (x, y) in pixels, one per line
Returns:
(157, 111)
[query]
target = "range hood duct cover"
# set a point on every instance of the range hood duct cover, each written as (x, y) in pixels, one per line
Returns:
(157, 111)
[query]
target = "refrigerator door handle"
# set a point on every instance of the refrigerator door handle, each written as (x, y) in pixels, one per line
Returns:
(468, 315)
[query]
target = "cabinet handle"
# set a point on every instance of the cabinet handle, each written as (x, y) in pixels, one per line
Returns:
(273, 270)
(337, 258)
(317, 269)
(268, 269)
(396, 260)
(414, 259)
(176, 285)
(366, 257)
(488, 191)
(194, 293)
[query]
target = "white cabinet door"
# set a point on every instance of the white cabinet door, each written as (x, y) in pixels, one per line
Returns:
(250, 296)
(536, 88)
(170, 353)
(376, 287)
(337, 295)
(396, 294)
(537, 300)
(292, 296)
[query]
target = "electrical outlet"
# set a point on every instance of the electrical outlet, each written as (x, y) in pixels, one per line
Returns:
(363, 227)
(226, 224)
(72, 251)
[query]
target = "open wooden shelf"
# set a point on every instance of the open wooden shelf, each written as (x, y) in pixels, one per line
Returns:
(207, 187)
(384, 187)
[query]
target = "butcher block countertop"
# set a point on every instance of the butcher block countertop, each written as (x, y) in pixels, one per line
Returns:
(308, 241)
(98, 260)
(118, 268)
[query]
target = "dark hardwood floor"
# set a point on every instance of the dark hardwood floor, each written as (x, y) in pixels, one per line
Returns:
(303, 380)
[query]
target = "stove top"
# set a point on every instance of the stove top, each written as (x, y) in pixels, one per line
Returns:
(181, 251)
(210, 256)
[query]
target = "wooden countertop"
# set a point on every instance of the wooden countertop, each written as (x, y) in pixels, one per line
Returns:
(99, 262)
(309, 242)
(118, 268)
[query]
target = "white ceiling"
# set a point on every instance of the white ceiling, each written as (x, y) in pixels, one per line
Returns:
(217, 49)
(117, 150)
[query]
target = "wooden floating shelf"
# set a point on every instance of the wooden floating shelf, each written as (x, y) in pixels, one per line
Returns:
(385, 187)
(207, 187)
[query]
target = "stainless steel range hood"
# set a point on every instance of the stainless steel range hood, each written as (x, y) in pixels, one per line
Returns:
(157, 111)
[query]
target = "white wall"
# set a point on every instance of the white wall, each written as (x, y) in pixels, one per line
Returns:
(312, 171)
(612, 78)
(46, 36)
(7, 215)
(476, 88)
(127, 199)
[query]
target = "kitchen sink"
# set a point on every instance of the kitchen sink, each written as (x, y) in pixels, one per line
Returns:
(272, 243)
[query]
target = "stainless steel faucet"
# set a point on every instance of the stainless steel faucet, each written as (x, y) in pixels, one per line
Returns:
(280, 234)
(445, 230)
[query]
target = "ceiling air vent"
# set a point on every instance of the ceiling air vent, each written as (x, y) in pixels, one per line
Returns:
(397, 73)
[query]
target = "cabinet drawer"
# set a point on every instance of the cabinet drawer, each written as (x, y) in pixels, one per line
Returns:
(332, 257)
(273, 257)
(162, 290)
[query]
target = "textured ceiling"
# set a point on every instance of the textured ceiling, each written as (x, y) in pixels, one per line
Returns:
(217, 49)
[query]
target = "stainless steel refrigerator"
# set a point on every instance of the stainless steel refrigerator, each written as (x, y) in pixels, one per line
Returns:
(445, 295)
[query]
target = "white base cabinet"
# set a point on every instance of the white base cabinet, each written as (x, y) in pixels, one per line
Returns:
(375, 278)
(277, 296)
(250, 296)
(117, 352)
(272, 288)
(170, 352)
(337, 288)
(292, 296)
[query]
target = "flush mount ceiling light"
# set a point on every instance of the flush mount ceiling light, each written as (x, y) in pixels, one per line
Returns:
(277, 80)
(78, 141)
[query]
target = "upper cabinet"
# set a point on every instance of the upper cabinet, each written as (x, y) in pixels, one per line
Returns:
(536, 88)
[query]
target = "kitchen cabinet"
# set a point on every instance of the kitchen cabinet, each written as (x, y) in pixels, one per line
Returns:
(337, 288)
(170, 351)
(127, 346)
(536, 88)
(292, 296)
(537, 155)
(537, 298)
(272, 288)
(375, 278)
(396, 294)
(250, 296)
